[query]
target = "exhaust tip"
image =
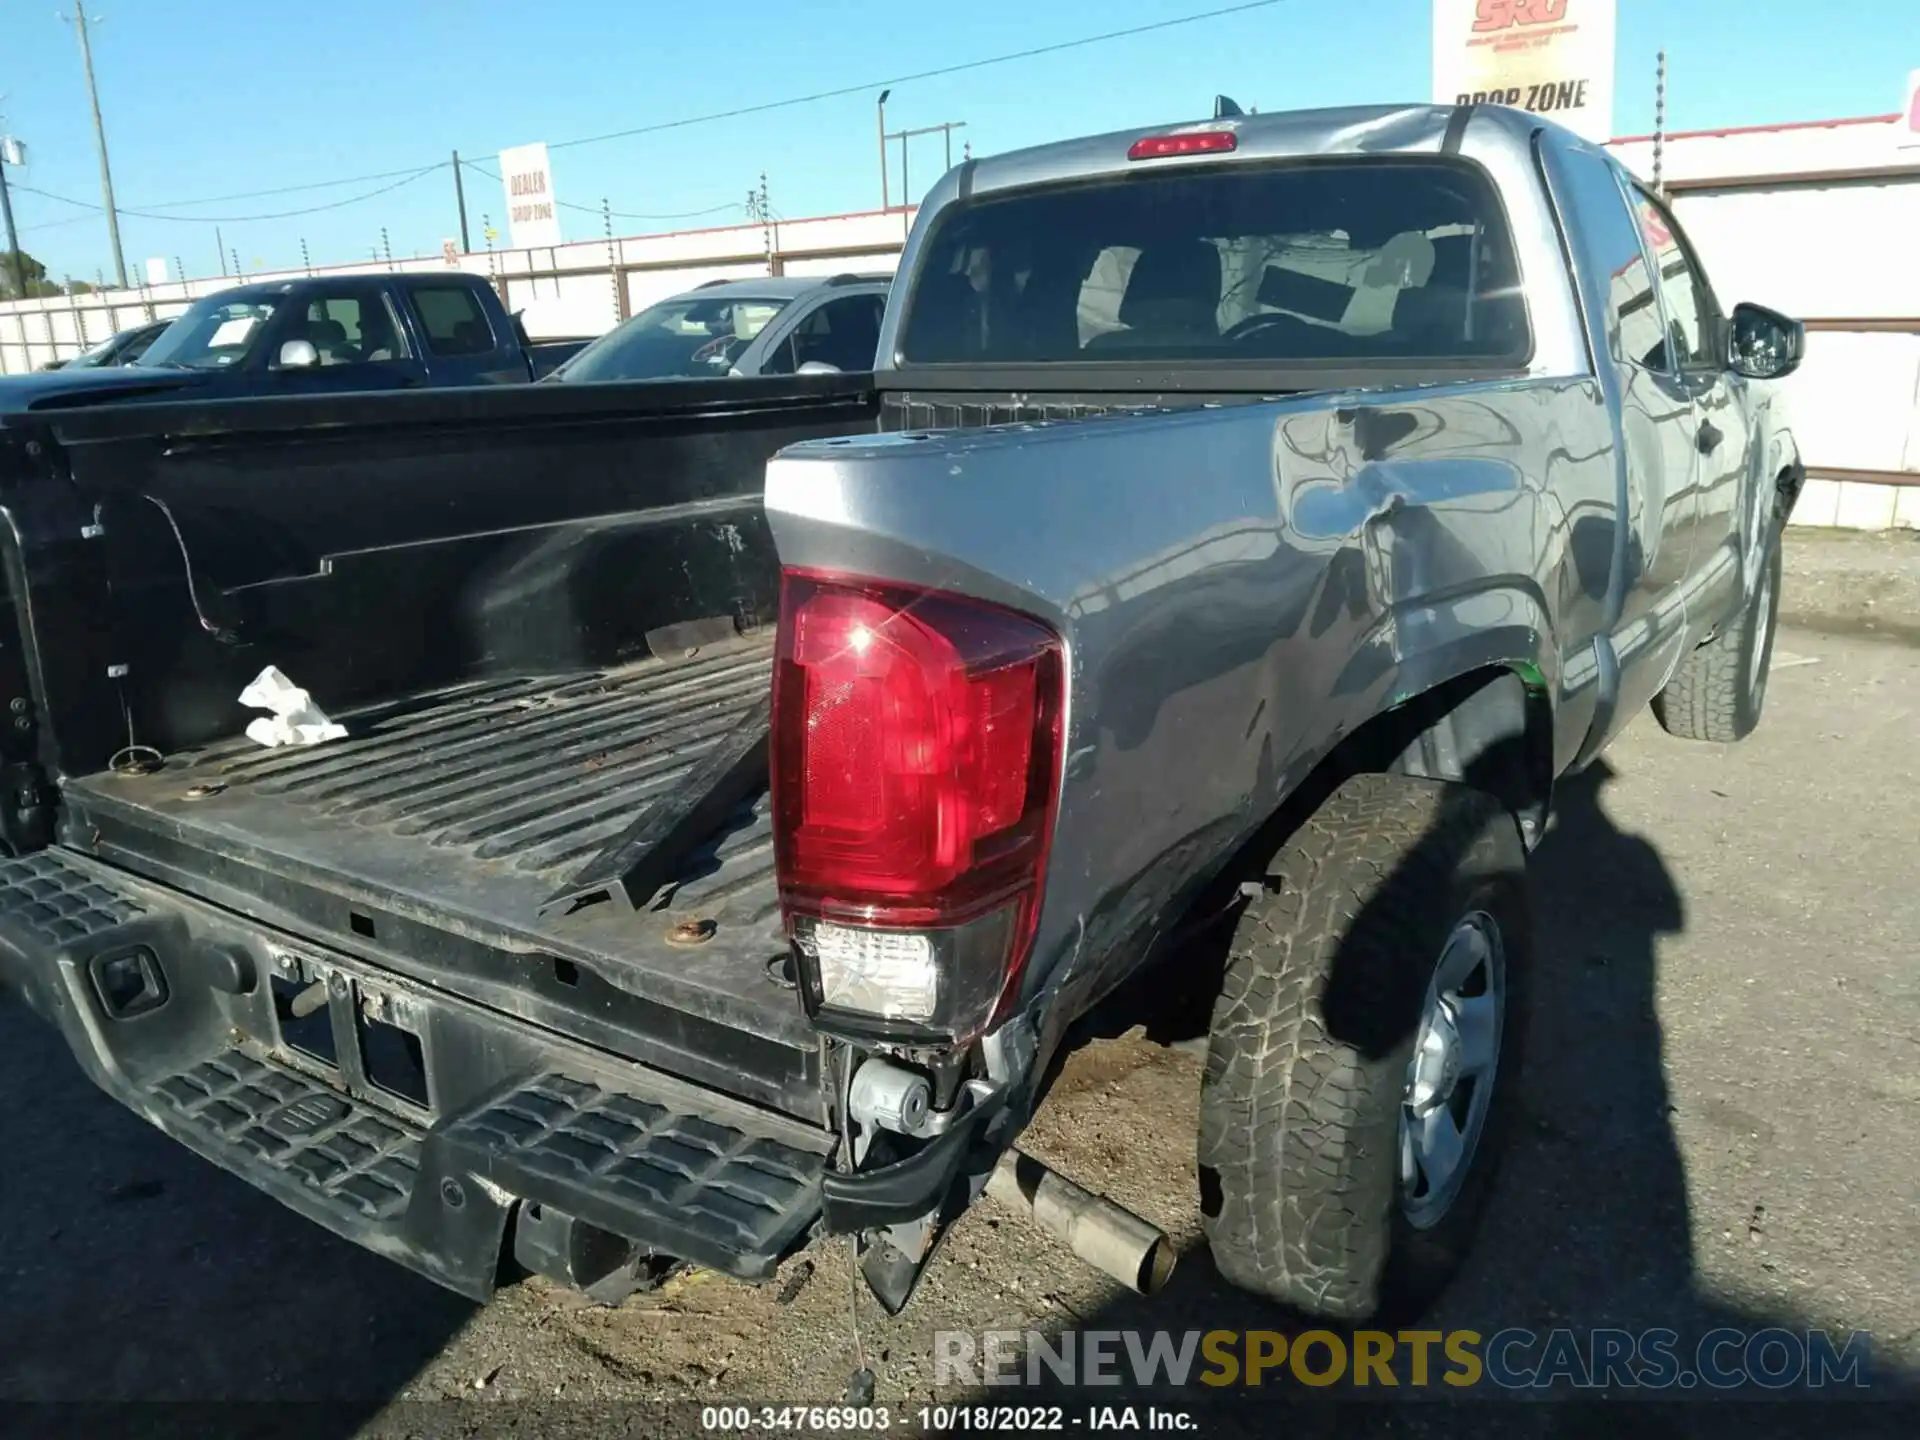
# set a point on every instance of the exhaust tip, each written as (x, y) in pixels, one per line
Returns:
(1156, 1267)
(1108, 1236)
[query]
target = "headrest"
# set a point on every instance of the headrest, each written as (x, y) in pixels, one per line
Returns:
(1185, 273)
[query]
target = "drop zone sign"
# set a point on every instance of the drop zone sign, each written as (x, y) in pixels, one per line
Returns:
(1553, 57)
(533, 216)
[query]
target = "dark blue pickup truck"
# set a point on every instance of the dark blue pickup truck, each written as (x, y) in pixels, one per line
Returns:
(316, 336)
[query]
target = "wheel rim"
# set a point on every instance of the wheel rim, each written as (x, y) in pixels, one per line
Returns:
(1762, 639)
(1450, 1078)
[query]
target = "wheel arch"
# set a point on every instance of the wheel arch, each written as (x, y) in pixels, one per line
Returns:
(1488, 725)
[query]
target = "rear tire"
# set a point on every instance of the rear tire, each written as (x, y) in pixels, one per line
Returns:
(1720, 688)
(1306, 1105)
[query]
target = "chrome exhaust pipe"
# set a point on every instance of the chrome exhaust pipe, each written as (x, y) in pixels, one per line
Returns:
(1109, 1237)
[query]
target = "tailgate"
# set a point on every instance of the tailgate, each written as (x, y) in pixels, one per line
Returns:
(427, 842)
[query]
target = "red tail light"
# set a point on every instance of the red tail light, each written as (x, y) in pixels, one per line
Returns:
(916, 763)
(1198, 142)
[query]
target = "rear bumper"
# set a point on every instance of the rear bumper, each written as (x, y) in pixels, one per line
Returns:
(507, 1122)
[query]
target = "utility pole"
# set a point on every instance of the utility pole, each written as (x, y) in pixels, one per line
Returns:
(460, 200)
(220, 244)
(10, 153)
(885, 202)
(100, 138)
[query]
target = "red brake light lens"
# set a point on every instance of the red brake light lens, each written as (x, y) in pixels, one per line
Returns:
(1199, 142)
(916, 758)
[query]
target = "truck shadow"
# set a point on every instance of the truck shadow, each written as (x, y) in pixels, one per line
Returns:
(1589, 1225)
(132, 1271)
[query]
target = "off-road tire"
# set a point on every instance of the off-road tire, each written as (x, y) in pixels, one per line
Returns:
(1721, 687)
(1307, 1059)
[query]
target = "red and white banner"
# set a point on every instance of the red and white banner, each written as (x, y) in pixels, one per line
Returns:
(1552, 57)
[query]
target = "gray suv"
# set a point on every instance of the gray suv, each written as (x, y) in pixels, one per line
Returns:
(772, 326)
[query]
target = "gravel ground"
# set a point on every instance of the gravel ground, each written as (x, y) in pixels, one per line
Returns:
(1853, 583)
(1718, 1129)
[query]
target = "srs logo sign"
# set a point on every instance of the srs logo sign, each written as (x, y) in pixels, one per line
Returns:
(1504, 14)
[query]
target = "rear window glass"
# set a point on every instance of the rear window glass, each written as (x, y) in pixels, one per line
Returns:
(1307, 260)
(454, 322)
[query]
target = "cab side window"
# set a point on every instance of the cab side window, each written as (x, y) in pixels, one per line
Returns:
(452, 320)
(1693, 320)
(349, 329)
(842, 333)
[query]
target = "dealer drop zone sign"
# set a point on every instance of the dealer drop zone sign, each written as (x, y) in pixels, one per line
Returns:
(532, 214)
(1553, 57)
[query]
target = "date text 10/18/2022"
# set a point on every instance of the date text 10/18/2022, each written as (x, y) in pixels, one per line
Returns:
(942, 1419)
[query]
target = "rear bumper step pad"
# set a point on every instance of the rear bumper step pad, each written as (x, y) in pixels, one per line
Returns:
(675, 1169)
(353, 1157)
(637, 1168)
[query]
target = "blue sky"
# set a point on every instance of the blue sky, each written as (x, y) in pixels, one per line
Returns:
(206, 99)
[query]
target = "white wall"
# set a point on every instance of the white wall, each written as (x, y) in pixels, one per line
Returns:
(1825, 251)
(1832, 251)
(564, 290)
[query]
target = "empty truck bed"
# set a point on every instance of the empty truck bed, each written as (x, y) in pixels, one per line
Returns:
(429, 837)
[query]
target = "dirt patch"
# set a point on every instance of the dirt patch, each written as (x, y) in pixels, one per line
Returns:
(1841, 582)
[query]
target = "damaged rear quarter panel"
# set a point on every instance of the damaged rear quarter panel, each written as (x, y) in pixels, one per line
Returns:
(1237, 588)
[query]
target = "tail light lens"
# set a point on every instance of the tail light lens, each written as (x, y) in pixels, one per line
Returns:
(1202, 142)
(916, 765)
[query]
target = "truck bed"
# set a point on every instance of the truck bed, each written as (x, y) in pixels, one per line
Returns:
(429, 837)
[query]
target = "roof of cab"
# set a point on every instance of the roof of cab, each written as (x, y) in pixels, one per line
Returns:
(778, 287)
(1351, 130)
(271, 289)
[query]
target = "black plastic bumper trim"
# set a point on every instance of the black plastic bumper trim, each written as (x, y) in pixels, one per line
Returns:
(907, 1189)
(516, 1116)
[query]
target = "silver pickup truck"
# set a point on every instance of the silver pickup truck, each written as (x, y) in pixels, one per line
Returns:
(741, 791)
(1343, 479)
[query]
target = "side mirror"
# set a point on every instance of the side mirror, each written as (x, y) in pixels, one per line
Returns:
(1763, 344)
(818, 367)
(297, 355)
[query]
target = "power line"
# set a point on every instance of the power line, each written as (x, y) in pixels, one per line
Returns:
(39, 225)
(241, 219)
(1032, 52)
(284, 190)
(480, 169)
(966, 65)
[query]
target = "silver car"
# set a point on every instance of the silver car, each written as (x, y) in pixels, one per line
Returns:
(777, 325)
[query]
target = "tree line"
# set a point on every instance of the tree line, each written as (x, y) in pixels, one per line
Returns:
(18, 265)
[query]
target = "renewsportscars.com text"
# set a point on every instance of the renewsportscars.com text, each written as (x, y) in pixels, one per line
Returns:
(1774, 1358)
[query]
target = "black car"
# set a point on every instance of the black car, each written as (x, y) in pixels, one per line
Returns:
(125, 348)
(315, 335)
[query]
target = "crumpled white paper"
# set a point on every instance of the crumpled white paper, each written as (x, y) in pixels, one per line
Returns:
(295, 720)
